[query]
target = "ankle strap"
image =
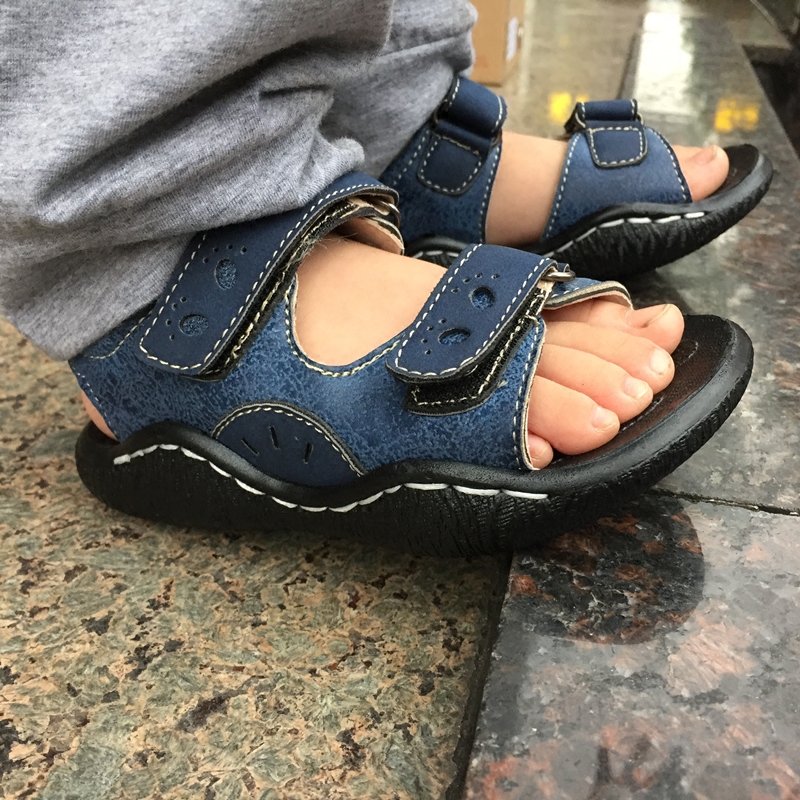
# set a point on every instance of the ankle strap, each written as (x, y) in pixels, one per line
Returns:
(464, 129)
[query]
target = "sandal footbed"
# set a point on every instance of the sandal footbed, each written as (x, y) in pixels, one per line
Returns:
(175, 474)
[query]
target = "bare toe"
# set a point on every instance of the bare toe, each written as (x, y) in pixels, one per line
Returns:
(705, 169)
(662, 325)
(570, 421)
(608, 384)
(636, 356)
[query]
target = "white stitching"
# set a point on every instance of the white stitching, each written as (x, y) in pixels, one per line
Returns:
(330, 373)
(255, 285)
(452, 96)
(487, 192)
(498, 122)
(632, 220)
(251, 409)
(490, 375)
(121, 342)
(448, 190)
(678, 174)
(567, 161)
(488, 338)
(590, 136)
(125, 459)
(410, 161)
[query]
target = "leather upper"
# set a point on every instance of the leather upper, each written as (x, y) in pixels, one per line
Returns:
(315, 425)
(446, 172)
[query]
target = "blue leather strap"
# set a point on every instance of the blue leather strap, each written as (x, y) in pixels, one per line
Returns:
(613, 130)
(228, 277)
(612, 158)
(480, 297)
(465, 128)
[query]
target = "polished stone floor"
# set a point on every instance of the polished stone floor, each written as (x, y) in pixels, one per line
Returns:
(143, 661)
(654, 654)
(651, 655)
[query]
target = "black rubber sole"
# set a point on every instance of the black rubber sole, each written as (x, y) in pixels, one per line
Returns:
(625, 240)
(176, 474)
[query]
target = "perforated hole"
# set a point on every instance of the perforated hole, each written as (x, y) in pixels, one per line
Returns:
(193, 324)
(225, 274)
(482, 298)
(454, 336)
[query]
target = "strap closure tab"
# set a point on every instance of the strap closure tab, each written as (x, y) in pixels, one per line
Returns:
(481, 296)
(613, 130)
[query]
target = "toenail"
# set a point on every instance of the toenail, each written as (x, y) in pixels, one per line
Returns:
(603, 419)
(706, 155)
(635, 388)
(660, 362)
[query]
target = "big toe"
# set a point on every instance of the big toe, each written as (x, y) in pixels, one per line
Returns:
(705, 169)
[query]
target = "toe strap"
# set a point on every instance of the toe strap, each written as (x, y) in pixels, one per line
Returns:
(612, 158)
(481, 309)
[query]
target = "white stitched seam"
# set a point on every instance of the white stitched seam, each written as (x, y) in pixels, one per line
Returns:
(410, 161)
(444, 189)
(331, 373)
(498, 121)
(567, 161)
(479, 391)
(630, 220)
(121, 342)
(253, 288)
(488, 338)
(487, 192)
(452, 97)
(120, 460)
(168, 298)
(280, 410)
(590, 136)
(678, 175)
(516, 424)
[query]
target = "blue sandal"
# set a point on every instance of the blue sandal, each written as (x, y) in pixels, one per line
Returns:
(222, 421)
(622, 205)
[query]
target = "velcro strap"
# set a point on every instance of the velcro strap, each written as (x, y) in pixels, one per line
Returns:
(465, 128)
(614, 132)
(470, 311)
(229, 277)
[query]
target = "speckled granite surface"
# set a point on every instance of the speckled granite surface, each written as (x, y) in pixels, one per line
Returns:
(140, 661)
(654, 654)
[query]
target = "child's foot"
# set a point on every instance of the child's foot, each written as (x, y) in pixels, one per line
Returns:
(528, 176)
(600, 366)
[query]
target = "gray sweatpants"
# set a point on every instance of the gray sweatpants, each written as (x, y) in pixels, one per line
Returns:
(127, 125)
